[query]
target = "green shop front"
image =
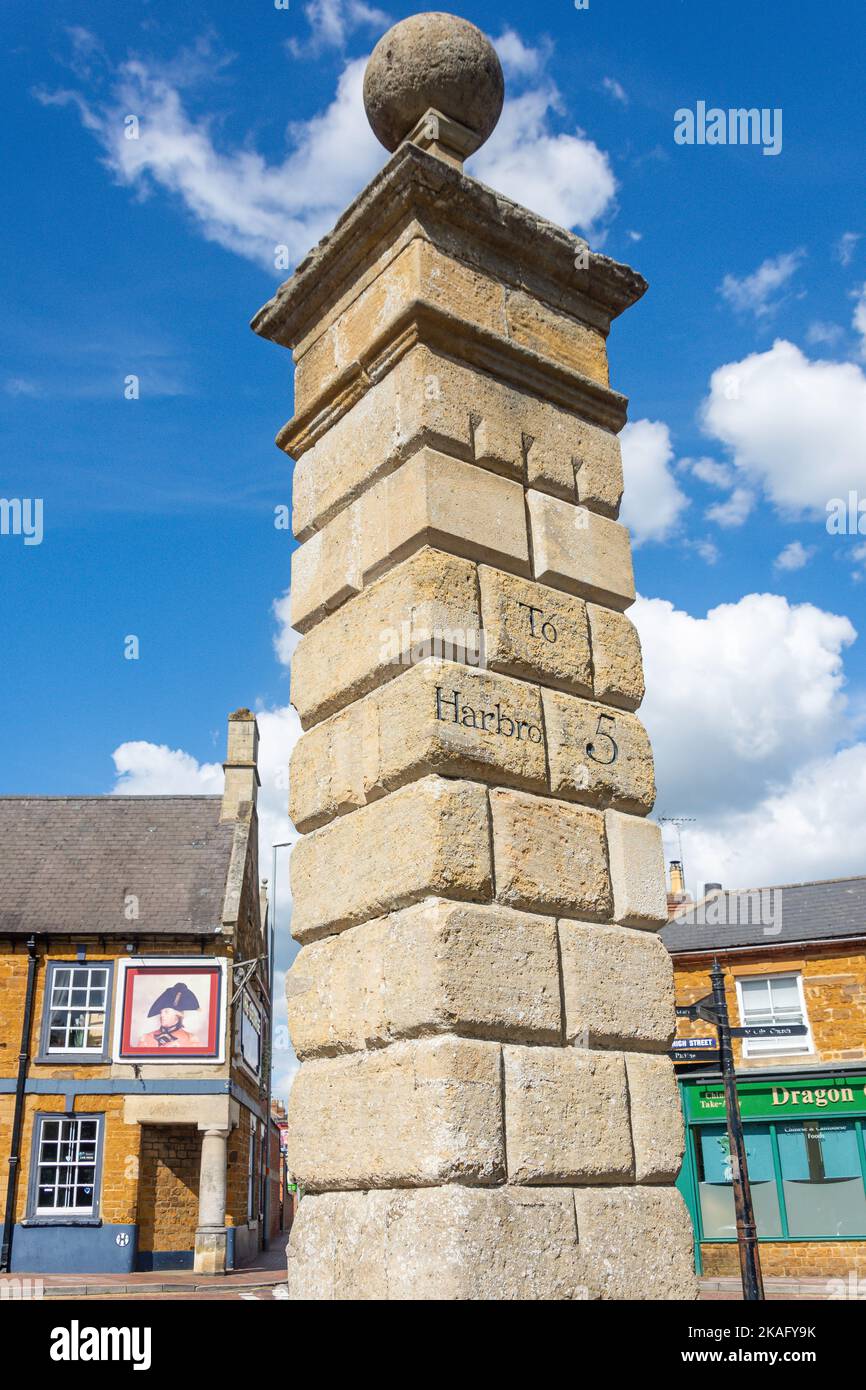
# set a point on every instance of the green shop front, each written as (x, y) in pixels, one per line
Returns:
(807, 1165)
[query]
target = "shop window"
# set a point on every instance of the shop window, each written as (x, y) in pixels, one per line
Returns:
(713, 1153)
(64, 1180)
(76, 1011)
(773, 999)
(822, 1178)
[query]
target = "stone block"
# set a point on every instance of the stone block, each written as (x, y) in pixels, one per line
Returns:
(431, 837)
(635, 1243)
(326, 570)
(617, 987)
(549, 856)
(598, 755)
(430, 500)
(537, 633)
(637, 871)
(425, 399)
(575, 460)
(426, 605)
(437, 500)
(657, 1127)
(566, 1116)
(579, 551)
(438, 1244)
(419, 276)
(556, 335)
(437, 967)
(415, 1114)
(436, 717)
(616, 658)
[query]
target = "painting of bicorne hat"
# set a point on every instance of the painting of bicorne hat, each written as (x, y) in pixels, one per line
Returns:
(179, 997)
(171, 1010)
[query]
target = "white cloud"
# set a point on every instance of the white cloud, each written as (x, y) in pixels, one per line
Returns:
(755, 293)
(333, 21)
(794, 556)
(794, 426)
(236, 198)
(709, 471)
(616, 90)
(520, 60)
(565, 178)
(734, 511)
(846, 246)
(812, 828)
(652, 501)
(749, 721)
(824, 334)
(741, 699)
(154, 769)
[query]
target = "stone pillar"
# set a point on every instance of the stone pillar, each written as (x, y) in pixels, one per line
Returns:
(482, 1009)
(210, 1236)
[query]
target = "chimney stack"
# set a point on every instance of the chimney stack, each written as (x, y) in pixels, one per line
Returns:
(242, 777)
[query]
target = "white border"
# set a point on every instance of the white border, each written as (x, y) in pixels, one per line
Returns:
(803, 1046)
(182, 963)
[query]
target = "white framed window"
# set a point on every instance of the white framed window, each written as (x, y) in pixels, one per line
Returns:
(769, 1000)
(77, 1005)
(65, 1179)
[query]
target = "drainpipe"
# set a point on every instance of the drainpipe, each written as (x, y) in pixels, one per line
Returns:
(272, 905)
(18, 1116)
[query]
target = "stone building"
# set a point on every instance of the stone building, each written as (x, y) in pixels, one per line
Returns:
(793, 956)
(482, 1009)
(134, 983)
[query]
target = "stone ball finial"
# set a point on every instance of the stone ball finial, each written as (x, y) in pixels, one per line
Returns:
(437, 61)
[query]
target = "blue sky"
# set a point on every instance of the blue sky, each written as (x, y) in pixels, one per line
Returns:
(744, 365)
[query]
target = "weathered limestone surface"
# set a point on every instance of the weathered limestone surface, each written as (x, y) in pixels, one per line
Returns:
(437, 717)
(431, 400)
(566, 1116)
(637, 871)
(575, 549)
(439, 1243)
(477, 971)
(430, 500)
(414, 1114)
(598, 755)
(577, 461)
(433, 835)
(656, 1118)
(427, 605)
(617, 987)
(480, 1004)
(616, 658)
(420, 280)
(635, 1243)
(534, 633)
(549, 856)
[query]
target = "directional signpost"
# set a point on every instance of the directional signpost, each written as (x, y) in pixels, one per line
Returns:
(747, 1231)
(771, 1030)
(713, 1009)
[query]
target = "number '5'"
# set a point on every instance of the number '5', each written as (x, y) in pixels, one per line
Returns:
(610, 744)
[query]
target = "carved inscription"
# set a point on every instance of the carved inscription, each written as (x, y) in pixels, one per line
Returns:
(539, 627)
(451, 709)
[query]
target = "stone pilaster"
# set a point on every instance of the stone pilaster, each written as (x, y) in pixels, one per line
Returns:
(481, 1007)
